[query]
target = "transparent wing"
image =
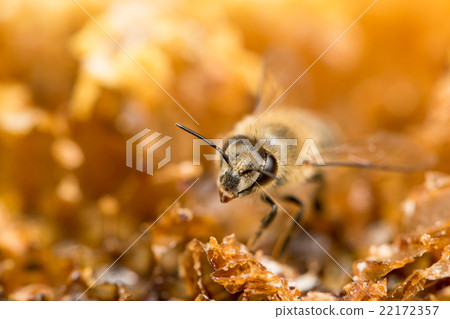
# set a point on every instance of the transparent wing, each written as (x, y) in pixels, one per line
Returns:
(268, 90)
(385, 151)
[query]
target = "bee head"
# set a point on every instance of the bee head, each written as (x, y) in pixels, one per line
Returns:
(244, 169)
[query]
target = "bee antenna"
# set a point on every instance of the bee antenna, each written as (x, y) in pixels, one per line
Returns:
(221, 151)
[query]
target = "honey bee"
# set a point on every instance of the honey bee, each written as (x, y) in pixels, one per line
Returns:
(254, 159)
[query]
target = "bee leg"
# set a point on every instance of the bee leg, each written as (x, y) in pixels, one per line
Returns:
(265, 222)
(281, 244)
(318, 194)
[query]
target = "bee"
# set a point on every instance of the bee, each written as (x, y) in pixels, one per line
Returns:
(254, 159)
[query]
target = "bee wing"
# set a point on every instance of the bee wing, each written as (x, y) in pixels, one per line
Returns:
(267, 92)
(384, 151)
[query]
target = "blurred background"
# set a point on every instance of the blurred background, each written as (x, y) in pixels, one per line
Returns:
(70, 98)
